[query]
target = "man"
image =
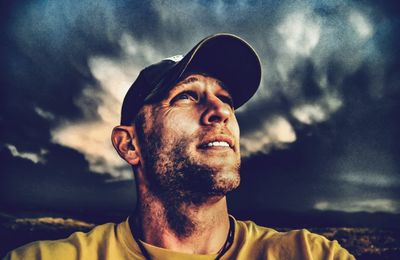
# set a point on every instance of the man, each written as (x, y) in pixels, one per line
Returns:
(179, 132)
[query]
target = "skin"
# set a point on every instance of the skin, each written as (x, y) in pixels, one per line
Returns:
(182, 183)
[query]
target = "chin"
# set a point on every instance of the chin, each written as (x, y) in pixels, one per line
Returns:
(226, 181)
(226, 173)
(222, 162)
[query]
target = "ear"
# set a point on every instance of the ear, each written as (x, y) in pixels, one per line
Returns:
(123, 141)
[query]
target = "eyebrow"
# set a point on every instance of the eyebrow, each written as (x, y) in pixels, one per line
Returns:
(192, 78)
(188, 80)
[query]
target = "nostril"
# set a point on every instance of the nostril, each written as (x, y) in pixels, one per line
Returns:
(214, 118)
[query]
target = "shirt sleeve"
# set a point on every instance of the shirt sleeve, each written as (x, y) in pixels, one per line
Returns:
(319, 247)
(44, 250)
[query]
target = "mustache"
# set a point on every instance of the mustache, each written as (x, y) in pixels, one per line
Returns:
(206, 133)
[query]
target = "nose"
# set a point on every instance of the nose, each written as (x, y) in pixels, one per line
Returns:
(216, 111)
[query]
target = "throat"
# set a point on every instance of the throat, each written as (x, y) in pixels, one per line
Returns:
(182, 227)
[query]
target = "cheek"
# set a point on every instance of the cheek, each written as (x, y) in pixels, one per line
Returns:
(234, 127)
(183, 125)
(181, 132)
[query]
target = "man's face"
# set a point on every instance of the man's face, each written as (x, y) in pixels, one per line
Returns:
(190, 143)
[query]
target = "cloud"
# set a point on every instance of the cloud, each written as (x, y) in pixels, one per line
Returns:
(318, 111)
(372, 179)
(361, 25)
(114, 77)
(36, 158)
(62, 182)
(44, 114)
(274, 132)
(300, 33)
(310, 51)
(374, 205)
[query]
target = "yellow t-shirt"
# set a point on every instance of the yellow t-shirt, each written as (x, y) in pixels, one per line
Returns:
(115, 241)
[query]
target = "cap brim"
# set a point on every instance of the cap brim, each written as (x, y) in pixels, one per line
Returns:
(224, 56)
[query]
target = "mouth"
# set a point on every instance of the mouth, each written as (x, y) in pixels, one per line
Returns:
(221, 142)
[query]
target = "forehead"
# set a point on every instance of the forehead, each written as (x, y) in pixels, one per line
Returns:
(200, 81)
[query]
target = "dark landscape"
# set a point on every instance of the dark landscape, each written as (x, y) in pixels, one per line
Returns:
(381, 242)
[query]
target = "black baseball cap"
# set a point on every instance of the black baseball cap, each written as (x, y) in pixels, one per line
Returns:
(224, 56)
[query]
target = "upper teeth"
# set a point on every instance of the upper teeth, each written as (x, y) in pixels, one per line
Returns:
(218, 144)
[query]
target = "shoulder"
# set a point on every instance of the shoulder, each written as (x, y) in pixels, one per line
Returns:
(310, 244)
(295, 244)
(250, 230)
(76, 246)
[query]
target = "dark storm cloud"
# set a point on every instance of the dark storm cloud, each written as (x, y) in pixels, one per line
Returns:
(60, 181)
(325, 113)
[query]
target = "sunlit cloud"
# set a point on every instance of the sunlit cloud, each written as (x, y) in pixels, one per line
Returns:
(275, 132)
(374, 205)
(300, 33)
(361, 25)
(309, 113)
(114, 76)
(34, 157)
(318, 111)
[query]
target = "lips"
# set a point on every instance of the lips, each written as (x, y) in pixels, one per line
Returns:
(217, 141)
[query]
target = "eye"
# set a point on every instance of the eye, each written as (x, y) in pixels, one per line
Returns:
(226, 99)
(185, 95)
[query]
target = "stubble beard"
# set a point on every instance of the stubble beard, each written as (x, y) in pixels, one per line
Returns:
(178, 180)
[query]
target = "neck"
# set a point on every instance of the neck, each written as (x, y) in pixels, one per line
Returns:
(184, 227)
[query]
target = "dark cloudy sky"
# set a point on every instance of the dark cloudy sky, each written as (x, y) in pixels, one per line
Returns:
(321, 133)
